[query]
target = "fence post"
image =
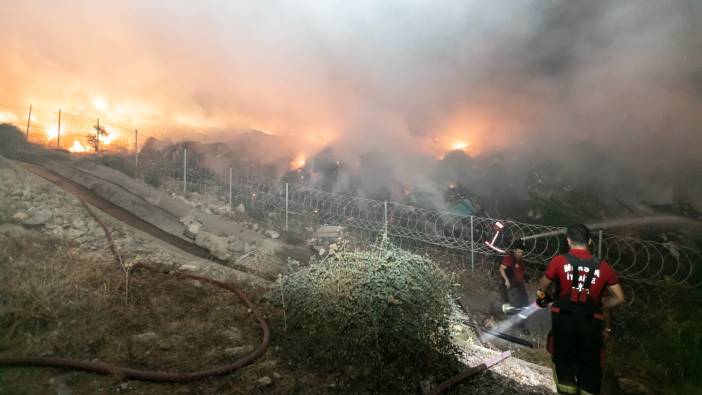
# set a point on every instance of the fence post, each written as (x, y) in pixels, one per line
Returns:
(472, 246)
(231, 204)
(286, 206)
(185, 171)
(599, 244)
(29, 119)
(385, 227)
(136, 153)
(97, 137)
(58, 135)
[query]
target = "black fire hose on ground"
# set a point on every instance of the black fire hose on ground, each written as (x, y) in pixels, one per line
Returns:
(149, 375)
(481, 330)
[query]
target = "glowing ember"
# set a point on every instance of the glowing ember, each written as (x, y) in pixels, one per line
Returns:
(459, 146)
(52, 133)
(107, 139)
(298, 163)
(77, 147)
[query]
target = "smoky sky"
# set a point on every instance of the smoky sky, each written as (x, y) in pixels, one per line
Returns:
(400, 78)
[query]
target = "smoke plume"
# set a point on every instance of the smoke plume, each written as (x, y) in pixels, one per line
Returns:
(606, 93)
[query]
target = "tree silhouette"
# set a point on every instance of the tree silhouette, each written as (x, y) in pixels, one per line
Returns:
(94, 139)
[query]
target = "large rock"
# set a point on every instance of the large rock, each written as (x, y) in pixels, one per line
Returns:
(272, 234)
(218, 246)
(37, 217)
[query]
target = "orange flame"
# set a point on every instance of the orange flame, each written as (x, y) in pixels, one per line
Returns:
(298, 162)
(77, 147)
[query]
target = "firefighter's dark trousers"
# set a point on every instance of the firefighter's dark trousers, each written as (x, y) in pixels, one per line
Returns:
(575, 344)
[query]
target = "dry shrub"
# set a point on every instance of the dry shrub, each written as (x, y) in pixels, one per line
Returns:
(382, 316)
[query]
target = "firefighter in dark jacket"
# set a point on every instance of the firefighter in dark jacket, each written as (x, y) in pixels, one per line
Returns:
(512, 273)
(577, 313)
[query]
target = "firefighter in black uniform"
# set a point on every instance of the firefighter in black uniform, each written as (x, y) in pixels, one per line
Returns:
(577, 313)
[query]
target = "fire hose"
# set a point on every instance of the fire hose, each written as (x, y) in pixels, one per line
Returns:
(481, 330)
(151, 375)
(470, 372)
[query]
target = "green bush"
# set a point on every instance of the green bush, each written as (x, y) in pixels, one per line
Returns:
(668, 352)
(153, 178)
(381, 316)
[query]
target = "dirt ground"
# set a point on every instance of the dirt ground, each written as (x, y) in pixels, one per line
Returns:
(62, 294)
(58, 301)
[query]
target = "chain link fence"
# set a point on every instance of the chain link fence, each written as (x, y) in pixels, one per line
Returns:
(462, 241)
(67, 131)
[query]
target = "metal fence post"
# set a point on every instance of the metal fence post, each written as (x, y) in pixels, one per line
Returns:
(136, 153)
(286, 206)
(29, 119)
(231, 204)
(599, 244)
(185, 171)
(58, 135)
(472, 246)
(385, 230)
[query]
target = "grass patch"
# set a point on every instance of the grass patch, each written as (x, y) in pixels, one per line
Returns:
(55, 301)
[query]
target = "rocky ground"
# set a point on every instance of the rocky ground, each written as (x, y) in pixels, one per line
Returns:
(45, 225)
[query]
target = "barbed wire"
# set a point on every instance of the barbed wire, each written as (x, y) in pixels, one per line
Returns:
(70, 132)
(461, 239)
(458, 238)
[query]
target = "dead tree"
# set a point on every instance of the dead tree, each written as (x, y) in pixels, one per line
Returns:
(94, 139)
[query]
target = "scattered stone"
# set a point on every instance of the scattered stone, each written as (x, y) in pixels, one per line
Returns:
(74, 233)
(237, 351)
(272, 234)
(265, 381)
(218, 246)
(164, 345)
(123, 386)
(78, 223)
(38, 217)
(20, 216)
(248, 247)
(233, 334)
(146, 337)
(221, 210)
(268, 364)
(277, 376)
(240, 208)
(255, 227)
(236, 246)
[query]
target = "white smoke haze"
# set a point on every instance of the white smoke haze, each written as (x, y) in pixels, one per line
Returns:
(606, 93)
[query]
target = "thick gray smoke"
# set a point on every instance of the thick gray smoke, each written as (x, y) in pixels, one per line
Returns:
(602, 93)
